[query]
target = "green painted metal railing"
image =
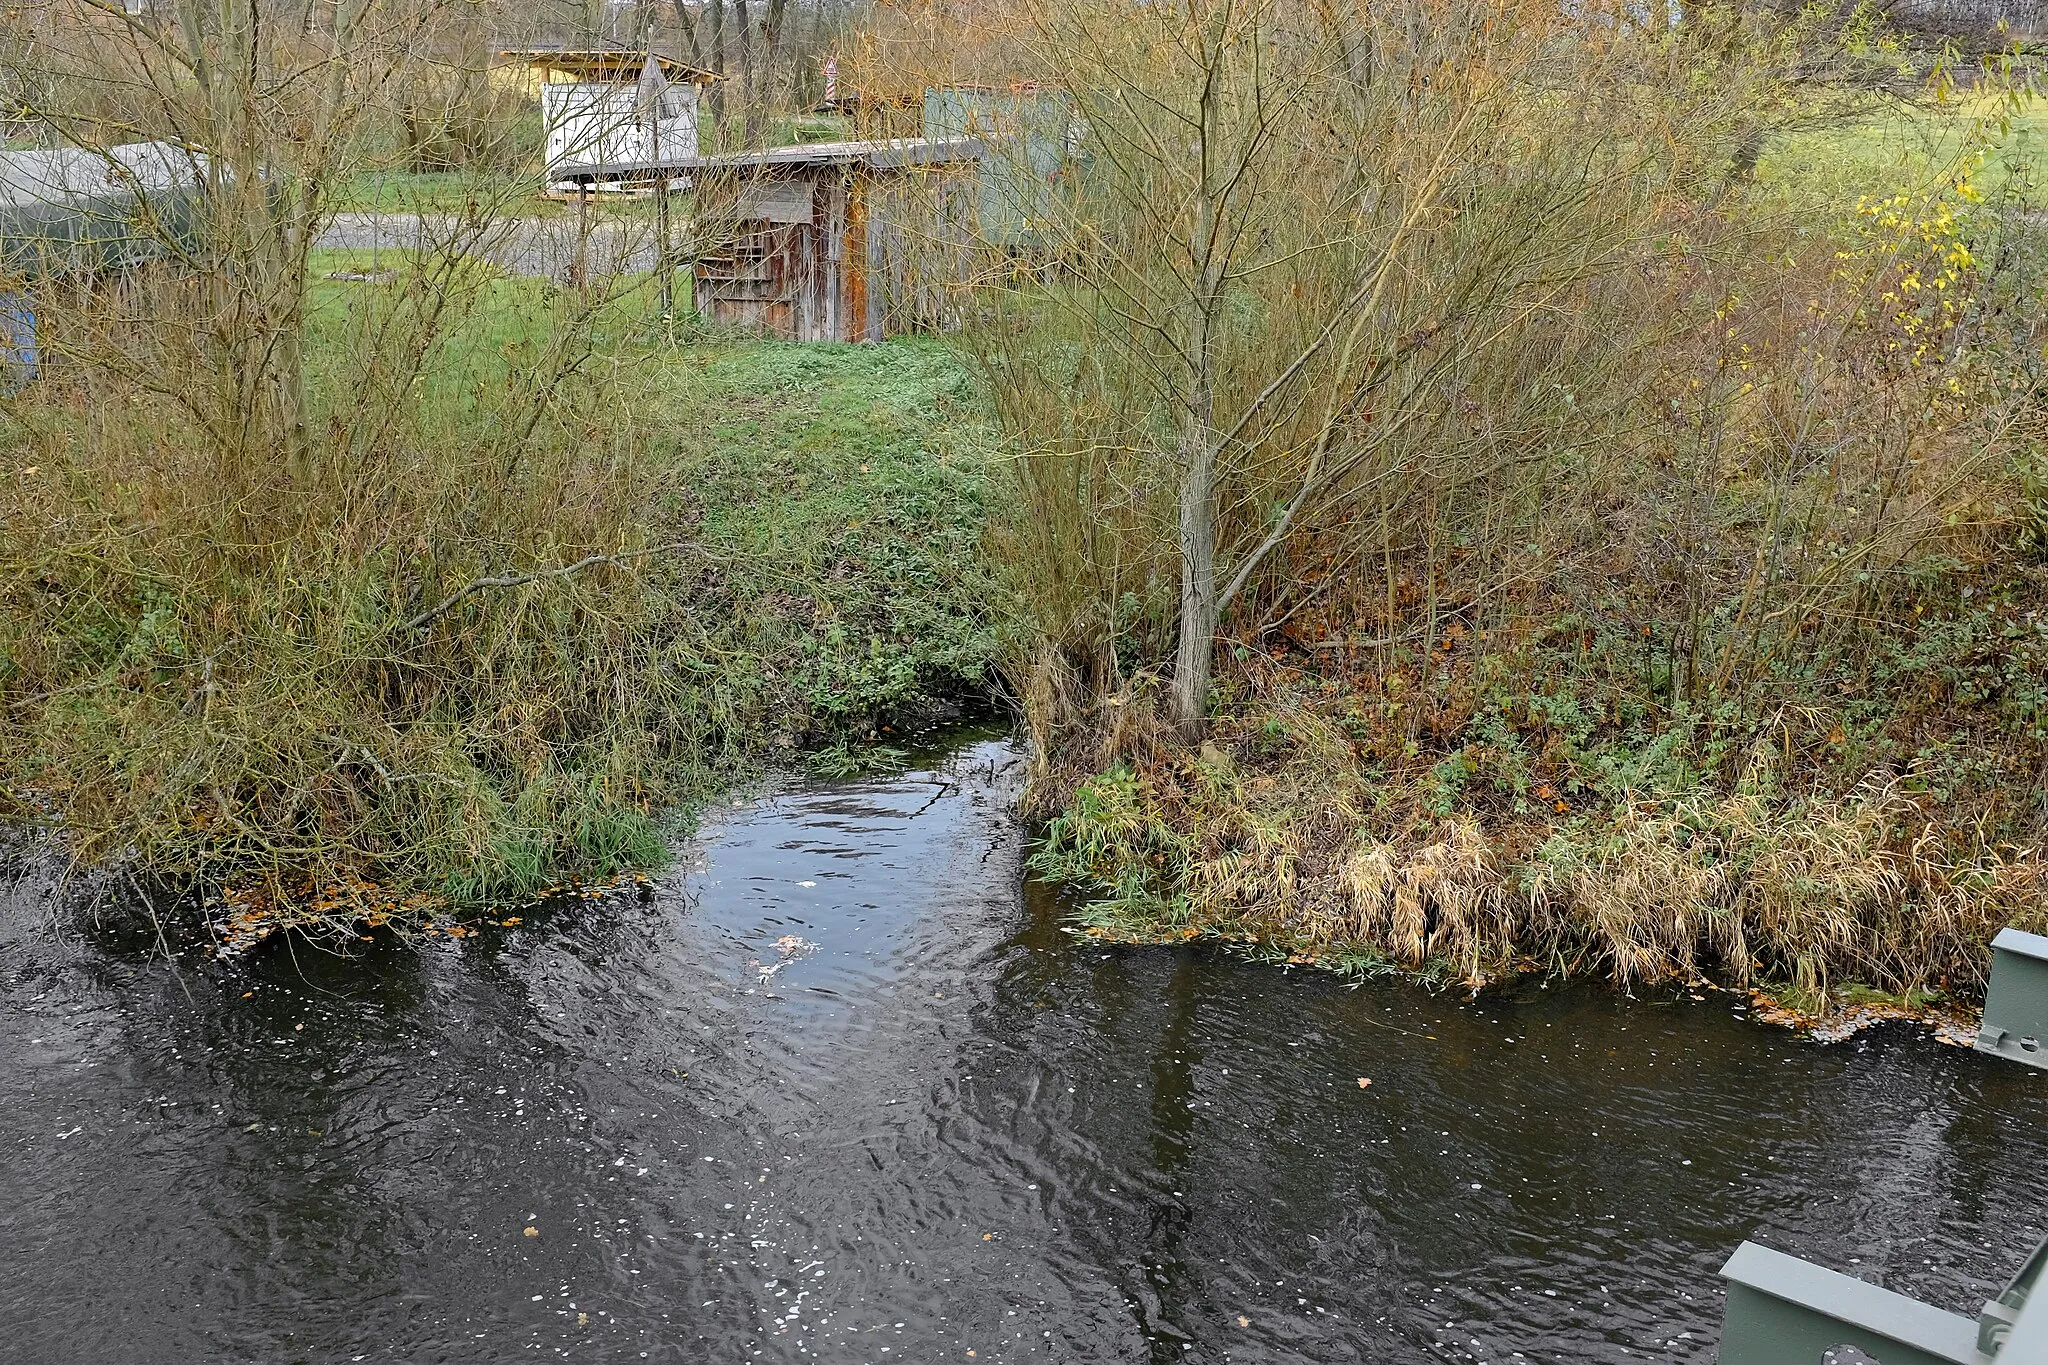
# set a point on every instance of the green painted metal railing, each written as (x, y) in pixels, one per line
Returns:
(1785, 1311)
(2016, 1004)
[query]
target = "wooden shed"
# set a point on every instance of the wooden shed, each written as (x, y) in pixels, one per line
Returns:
(833, 241)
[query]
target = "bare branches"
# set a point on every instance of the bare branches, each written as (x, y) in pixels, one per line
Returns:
(1327, 266)
(515, 580)
(280, 473)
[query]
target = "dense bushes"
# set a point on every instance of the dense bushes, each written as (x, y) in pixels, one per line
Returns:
(346, 587)
(222, 676)
(1630, 560)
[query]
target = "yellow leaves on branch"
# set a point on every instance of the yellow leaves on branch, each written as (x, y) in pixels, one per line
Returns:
(1919, 245)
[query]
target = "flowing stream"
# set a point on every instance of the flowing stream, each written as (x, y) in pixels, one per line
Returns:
(929, 1126)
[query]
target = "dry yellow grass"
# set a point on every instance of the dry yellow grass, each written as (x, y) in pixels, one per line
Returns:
(1313, 853)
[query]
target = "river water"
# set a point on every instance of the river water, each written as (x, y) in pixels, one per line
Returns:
(930, 1127)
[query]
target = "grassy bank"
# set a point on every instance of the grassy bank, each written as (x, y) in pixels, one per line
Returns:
(1666, 597)
(841, 492)
(1529, 795)
(542, 581)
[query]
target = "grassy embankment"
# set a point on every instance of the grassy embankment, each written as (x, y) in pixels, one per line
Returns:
(318, 690)
(1775, 720)
(1426, 771)
(846, 487)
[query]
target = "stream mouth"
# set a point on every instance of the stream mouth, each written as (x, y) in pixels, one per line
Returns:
(843, 1090)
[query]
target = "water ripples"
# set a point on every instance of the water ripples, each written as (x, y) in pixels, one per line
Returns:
(927, 1123)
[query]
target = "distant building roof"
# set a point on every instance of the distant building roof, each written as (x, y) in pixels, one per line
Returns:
(599, 59)
(80, 176)
(71, 208)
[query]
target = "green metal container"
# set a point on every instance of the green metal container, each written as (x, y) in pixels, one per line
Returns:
(77, 212)
(1028, 134)
(1785, 1311)
(74, 210)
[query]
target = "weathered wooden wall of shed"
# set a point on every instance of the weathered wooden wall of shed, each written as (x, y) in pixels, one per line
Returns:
(746, 281)
(877, 253)
(922, 238)
(864, 323)
(831, 319)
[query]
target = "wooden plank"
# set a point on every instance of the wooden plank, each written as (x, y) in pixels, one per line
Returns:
(834, 249)
(861, 306)
(787, 204)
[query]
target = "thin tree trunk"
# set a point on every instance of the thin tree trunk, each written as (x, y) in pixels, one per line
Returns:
(749, 106)
(1190, 697)
(771, 44)
(686, 24)
(717, 61)
(1197, 454)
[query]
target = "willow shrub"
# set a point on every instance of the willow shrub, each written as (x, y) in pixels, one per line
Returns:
(1444, 364)
(223, 671)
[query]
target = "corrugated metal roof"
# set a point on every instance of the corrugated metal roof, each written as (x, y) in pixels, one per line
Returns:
(59, 176)
(879, 153)
(72, 208)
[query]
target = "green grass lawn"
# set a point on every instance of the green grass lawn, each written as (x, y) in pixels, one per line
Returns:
(1908, 149)
(842, 488)
(780, 448)
(438, 192)
(451, 192)
(847, 486)
(502, 320)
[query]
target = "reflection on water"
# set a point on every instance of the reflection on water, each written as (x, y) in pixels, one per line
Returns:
(929, 1124)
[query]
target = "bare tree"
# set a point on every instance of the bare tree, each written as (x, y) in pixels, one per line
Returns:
(1309, 242)
(265, 478)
